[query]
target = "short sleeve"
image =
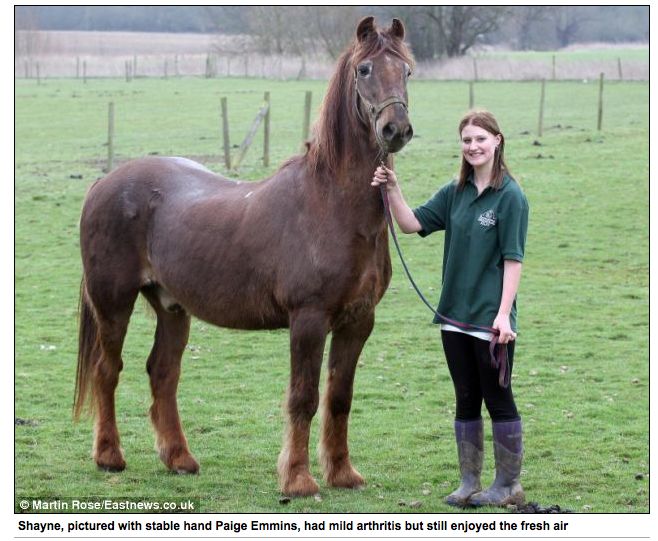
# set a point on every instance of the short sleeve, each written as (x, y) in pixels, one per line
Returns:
(433, 214)
(513, 225)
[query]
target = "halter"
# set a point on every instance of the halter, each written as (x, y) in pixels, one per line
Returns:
(374, 110)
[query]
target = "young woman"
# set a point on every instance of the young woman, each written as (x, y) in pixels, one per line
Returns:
(485, 216)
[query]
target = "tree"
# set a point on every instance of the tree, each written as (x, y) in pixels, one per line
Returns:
(526, 19)
(436, 31)
(301, 30)
(332, 26)
(267, 24)
(551, 27)
(568, 22)
(28, 40)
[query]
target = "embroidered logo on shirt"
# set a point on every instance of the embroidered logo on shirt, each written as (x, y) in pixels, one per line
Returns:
(487, 219)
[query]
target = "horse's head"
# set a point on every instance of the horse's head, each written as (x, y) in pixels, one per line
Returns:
(381, 64)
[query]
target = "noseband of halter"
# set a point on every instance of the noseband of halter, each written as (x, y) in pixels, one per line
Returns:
(374, 110)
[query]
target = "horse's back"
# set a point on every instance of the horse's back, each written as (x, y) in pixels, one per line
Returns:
(137, 195)
(173, 223)
(174, 176)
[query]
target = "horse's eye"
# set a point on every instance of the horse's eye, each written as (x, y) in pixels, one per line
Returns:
(408, 70)
(364, 70)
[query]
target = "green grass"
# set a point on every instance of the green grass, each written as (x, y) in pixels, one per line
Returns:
(581, 376)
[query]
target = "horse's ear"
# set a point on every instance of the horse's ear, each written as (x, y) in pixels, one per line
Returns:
(397, 29)
(365, 27)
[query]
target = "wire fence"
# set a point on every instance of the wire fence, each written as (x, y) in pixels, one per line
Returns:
(283, 67)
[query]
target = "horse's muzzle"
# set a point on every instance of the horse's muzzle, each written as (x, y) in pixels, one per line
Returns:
(396, 134)
(395, 130)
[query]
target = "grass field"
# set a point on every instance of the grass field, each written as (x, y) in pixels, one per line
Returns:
(581, 376)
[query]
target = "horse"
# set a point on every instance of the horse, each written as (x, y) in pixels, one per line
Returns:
(305, 249)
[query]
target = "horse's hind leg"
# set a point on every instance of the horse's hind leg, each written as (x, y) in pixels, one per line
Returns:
(346, 345)
(112, 320)
(164, 367)
(308, 333)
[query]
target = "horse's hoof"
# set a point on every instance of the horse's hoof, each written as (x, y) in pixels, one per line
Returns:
(192, 470)
(185, 472)
(110, 460)
(185, 465)
(178, 459)
(347, 477)
(301, 485)
(111, 468)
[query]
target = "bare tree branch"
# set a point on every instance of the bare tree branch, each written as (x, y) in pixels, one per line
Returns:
(451, 30)
(568, 21)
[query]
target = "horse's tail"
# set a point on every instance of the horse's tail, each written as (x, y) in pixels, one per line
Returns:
(88, 351)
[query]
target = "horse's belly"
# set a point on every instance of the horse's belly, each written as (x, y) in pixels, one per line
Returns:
(233, 317)
(223, 301)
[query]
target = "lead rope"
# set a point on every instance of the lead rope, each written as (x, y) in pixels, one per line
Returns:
(497, 352)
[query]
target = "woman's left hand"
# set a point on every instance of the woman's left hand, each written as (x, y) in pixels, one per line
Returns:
(503, 325)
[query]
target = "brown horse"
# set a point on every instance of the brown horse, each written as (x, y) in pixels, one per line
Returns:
(306, 249)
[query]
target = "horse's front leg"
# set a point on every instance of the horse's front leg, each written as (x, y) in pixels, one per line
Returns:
(308, 333)
(346, 345)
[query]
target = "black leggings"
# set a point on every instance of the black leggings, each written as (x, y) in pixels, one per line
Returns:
(476, 380)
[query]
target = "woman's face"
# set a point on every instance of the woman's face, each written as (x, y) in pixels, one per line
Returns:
(479, 146)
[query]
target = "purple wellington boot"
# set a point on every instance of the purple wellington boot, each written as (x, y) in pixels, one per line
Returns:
(470, 450)
(508, 452)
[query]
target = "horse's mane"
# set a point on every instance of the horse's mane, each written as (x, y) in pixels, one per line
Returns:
(338, 123)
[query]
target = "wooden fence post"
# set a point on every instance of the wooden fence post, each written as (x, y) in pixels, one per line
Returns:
(38, 74)
(600, 114)
(110, 138)
(302, 70)
(84, 71)
(266, 129)
(621, 75)
(307, 117)
(471, 95)
(554, 69)
(246, 143)
(540, 125)
(134, 74)
(475, 69)
(227, 145)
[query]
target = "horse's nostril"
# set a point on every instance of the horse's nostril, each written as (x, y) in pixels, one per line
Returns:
(408, 133)
(389, 131)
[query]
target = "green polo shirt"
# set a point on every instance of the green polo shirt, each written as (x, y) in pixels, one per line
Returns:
(480, 233)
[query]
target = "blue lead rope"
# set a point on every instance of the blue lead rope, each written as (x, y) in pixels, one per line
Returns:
(497, 351)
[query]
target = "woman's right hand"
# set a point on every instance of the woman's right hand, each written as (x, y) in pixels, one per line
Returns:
(401, 212)
(384, 175)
